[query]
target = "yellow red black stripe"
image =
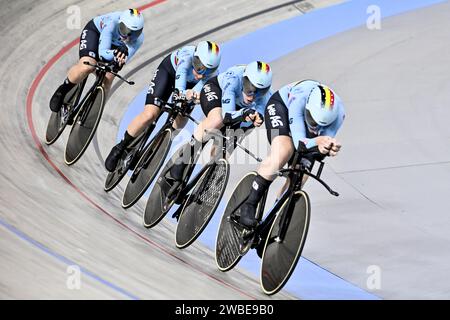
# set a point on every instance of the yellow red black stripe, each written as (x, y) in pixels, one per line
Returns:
(327, 97)
(213, 47)
(135, 12)
(264, 67)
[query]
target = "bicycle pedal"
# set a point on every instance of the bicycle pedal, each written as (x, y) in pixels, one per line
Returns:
(167, 205)
(244, 245)
(244, 229)
(248, 233)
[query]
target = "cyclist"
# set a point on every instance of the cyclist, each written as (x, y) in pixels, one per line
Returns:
(306, 111)
(113, 37)
(241, 90)
(184, 71)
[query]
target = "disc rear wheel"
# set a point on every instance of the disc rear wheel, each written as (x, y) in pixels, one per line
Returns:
(280, 258)
(85, 126)
(201, 203)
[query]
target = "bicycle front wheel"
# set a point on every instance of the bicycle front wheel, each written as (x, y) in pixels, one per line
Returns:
(201, 203)
(280, 258)
(85, 126)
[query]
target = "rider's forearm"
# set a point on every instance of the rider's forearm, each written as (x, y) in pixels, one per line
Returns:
(104, 48)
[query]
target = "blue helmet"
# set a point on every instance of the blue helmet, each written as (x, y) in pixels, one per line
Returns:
(131, 24)
(206, 57)
(321, 109)
(257, 78)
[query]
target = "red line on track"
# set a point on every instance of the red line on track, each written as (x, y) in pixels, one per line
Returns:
(29, 113)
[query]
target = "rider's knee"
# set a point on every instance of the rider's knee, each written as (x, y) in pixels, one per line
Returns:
(150, 113)
(109, 77)
(281, 150)
(86, 68)
(215, 120)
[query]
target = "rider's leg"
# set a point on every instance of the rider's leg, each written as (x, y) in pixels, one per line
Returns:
(280, 153)
(191, 151)
(88, 51)
(143, 120)
(211, 106)
(180, 122)
(80, 71)
(76, 75)
(213, 121)
(137, 125)
(278, 133)
(161, 88)
(107, 83)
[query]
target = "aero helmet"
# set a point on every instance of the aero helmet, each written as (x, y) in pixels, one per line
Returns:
(131, 24)
(206, 58)
(257, 78)
(321, 109)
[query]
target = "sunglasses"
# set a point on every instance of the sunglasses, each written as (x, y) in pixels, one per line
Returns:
(310, 122)
(250, 90)
(128, 33)
(200, 68)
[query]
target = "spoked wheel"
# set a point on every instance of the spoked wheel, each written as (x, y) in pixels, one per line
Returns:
(228, 242)
(124, 164)
(85, 125)
(280, 258)
(201, 203)
(147, 168)
(157, 206)
(58, 120)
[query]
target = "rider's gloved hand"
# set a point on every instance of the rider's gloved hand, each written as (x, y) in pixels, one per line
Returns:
(121, 54)
(253, 116)
(326, 145)
(178, 95)
(193, 96)
(335, 147)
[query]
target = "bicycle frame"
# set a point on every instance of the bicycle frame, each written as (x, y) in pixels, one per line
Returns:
(173, 109)
(89, 96)
(222, 154)
(295, 174)
(102, 70)
(82, 85)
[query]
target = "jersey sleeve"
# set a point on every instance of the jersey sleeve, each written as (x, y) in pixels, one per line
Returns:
(198, 87)
(229, 95)
(332, 129)
(262, 103)
(104, 48)
(297, 126)
(181, 74)
(133, 48)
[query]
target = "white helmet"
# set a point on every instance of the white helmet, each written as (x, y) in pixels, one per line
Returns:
(206, 58)
(321, 109)
(257, 78)
(131, 24)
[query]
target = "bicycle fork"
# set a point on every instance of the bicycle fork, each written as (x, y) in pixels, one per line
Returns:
(288, 210)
